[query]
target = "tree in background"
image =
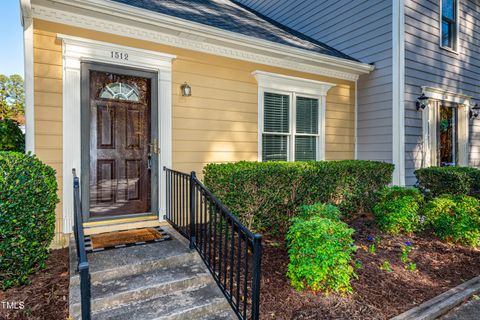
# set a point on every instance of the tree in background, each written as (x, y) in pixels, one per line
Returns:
(12, 98)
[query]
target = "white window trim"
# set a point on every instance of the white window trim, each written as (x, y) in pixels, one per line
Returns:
(429, 124)
(457, 27)
(292, 86)
(75, 50)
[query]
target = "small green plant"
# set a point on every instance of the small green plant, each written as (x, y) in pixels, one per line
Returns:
(372, 248)
(319, 209)
(397, 210)
(411, 266)
(455, 218)
(320, 252)
(406, 249)
(376, 242)
(386, 266)
(28, 197)
(358, 264)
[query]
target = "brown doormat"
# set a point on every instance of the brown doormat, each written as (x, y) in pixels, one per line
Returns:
(116, 239)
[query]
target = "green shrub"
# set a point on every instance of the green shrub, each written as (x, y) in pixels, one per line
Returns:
(436, 181)
(28, 196)
(265, 195)
(11, 137)
(397, 210)
(320, 252)
(455, 218)
(321, 210)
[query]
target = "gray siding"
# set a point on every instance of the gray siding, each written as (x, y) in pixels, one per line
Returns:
(363, 30)
(426, 64)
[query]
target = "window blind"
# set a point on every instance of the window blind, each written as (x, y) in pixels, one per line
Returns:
(307, 115)
(276, 122)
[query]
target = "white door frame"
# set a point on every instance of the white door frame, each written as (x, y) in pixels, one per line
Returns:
(75, 50)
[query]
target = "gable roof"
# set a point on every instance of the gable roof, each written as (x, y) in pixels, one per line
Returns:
(231, 16)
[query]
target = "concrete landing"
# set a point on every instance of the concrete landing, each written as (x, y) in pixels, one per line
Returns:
(164, 280)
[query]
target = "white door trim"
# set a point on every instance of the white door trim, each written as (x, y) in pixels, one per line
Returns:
(75, 50)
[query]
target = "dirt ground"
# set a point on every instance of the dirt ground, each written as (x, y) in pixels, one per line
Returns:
(377, 294)
(46, 298)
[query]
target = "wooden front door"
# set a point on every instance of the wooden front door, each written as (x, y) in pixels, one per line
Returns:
(122, 148)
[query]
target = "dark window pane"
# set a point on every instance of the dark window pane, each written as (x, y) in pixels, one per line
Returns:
(447, 136)
(305, 148)
(447, 35)
(307, 115)
(274, 148)
(448, 9)
(276, 113)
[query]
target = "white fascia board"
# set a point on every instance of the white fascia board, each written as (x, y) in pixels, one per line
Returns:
(191, 35)
(444, 95)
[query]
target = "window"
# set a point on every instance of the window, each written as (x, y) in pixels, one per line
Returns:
(120, 91)
(284, 139)
(291, 114)
(447, 136)
(449, 26)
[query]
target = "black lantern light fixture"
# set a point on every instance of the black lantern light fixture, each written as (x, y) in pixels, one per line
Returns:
(475, 111)
(422, 102)
(186, 90)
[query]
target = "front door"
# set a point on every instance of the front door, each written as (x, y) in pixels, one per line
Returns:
(119, 142)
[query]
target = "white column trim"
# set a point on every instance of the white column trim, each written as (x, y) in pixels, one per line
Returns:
(28, 76)
(398, 96)
(76, 50)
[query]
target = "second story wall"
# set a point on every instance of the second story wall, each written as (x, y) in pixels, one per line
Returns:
(363, 30)
(426, 64)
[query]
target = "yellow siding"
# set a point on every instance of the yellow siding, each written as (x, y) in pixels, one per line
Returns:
(219, 123)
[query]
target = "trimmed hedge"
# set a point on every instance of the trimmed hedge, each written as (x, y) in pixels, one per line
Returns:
(265, 195)
(11, 137)
(436, 181)
(321, 210)
(28, 196)
(455, 218)
(320, 252)
(397, 210)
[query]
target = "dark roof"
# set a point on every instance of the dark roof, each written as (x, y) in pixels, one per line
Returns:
(231, 16)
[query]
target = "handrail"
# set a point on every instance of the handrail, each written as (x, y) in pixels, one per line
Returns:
(231, 252)
(82, 260)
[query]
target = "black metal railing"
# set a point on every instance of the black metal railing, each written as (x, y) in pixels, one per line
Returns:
(82, 261)
(230, 251)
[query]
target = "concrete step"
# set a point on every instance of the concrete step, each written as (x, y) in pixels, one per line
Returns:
(203, 302)
(117, 263)
(141, 286)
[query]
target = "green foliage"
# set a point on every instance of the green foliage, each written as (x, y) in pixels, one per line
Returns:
(328, 211)
(397, 210)
(386, 266)
(455, 218)
(12, 96)
(404, 256)
(28, 196)
(320, 252)
(436, 181)
(11, 137)
(411, 266)
(266, 195)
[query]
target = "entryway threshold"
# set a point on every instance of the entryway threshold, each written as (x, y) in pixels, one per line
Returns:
(96, 227)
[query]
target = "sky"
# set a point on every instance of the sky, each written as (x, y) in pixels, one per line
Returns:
(11, 37)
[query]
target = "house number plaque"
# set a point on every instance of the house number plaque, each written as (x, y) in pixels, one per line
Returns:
(119, 55)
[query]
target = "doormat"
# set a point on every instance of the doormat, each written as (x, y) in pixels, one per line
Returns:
(125, 238)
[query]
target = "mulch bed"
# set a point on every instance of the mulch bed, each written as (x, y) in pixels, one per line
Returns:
(46, 298)
(377, 294)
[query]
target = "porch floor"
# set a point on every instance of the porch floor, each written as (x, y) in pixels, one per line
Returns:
(164, 280)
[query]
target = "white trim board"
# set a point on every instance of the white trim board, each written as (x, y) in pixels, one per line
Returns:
(292, 86)
(27, 23)
(136, 23)
(75, 50)
(398, 92)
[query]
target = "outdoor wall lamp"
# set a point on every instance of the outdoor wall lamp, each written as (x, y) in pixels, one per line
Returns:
(186, 90)
(475, 111)
(422, 102)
